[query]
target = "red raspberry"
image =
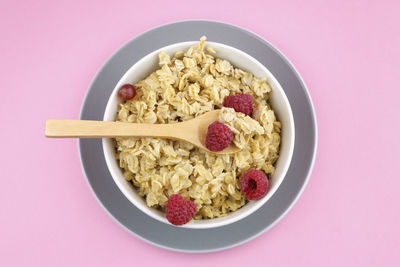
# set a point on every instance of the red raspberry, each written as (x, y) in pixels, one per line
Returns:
(219, 136)
(254, 184)
(240, 103)
(178, 210)
(127, 91)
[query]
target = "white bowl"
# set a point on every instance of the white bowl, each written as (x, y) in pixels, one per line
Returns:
(279, 103)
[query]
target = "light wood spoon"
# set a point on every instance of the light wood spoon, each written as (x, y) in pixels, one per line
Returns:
(193, 131)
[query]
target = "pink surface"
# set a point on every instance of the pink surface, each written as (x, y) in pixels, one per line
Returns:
(348, 54)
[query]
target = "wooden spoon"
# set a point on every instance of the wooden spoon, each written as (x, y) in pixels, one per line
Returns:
(193, 131)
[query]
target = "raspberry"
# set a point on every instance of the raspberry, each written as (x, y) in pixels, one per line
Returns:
(240, 103)
(127, 91)
(219, 136)
(254, 184)
(178, 210)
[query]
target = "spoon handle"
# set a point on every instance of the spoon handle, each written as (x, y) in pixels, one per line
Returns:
(100, 129)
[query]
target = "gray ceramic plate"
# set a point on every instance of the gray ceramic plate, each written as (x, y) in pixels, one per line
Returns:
(202, 240)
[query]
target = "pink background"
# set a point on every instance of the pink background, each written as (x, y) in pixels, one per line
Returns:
(346, 51)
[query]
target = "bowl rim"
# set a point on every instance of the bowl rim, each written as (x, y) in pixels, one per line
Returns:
(216, 222)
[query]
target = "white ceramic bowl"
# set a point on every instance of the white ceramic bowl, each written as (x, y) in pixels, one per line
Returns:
(279, 103)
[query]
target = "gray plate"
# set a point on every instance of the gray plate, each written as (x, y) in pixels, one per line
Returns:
(201, 240)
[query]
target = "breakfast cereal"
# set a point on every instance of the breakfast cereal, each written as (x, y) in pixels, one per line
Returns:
(186, 85)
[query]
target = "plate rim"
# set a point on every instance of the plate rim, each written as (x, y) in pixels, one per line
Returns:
(309, 171)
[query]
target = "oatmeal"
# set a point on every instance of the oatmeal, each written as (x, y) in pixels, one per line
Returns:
(185, 86)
